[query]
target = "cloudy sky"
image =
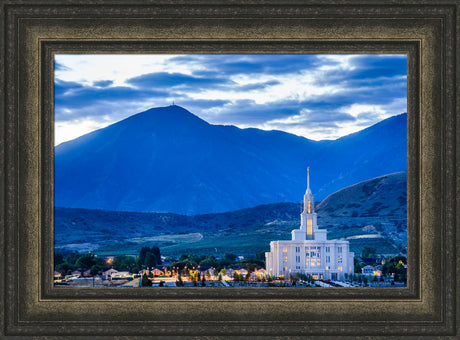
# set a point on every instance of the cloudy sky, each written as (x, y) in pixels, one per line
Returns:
(315, 96)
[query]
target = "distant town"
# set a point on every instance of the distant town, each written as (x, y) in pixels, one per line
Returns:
(208, 271)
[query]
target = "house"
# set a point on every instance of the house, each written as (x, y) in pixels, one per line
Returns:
(157, 272)
(57, 275)
(120, 274)
(106, 275)
(237, 270)
(371, 271)
(76, 273)
(206, 269)
(258, 274)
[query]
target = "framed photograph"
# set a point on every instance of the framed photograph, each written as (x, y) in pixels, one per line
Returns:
(148, 192)
(53, 77)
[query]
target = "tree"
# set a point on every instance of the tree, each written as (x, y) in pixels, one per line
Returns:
(64, 267)
(145, 260)
(72, 258)
(150, 260)
(210, 261)
(358, 265)
(156, 252)
(58, 259)
(228, 259)
(124, 261)
(95, 270)
(260, 256)
(367, 251)
(142, 253)
(203, 281)
(86, 261)
(145, 281)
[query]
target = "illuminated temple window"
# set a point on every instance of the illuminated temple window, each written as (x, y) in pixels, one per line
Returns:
(340, 268)
(284, 249)
(309, 227)
(309, 207)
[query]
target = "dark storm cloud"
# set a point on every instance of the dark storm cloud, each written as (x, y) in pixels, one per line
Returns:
(327, 117)
(227, 65)
(380, 94)
(372, 76)
(78, 99)
(166, 80)
(249, 112)
(375, 66)
(103, 83)
(257, 86)
(60, 67)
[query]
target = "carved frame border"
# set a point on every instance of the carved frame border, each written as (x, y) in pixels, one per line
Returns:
(33, 31)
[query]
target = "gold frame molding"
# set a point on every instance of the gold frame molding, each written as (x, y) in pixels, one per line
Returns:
(32, 32)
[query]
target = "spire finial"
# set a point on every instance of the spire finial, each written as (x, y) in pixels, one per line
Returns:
(308, 177)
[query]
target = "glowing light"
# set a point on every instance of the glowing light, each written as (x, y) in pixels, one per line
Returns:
(309, 227)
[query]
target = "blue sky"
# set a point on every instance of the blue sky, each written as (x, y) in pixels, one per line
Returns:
(315, 96)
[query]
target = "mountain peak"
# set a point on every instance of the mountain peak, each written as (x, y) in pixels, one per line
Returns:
(166, 159)
(173, 113)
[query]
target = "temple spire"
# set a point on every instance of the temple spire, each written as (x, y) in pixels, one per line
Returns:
(308, 178)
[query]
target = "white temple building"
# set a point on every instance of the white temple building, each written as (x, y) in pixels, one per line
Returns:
(310, 252)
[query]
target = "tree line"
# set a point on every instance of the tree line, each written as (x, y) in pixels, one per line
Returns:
(68, 261)
(227, 260)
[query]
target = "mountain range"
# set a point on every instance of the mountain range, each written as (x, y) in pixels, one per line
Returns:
(371, 213)
(169, 160)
